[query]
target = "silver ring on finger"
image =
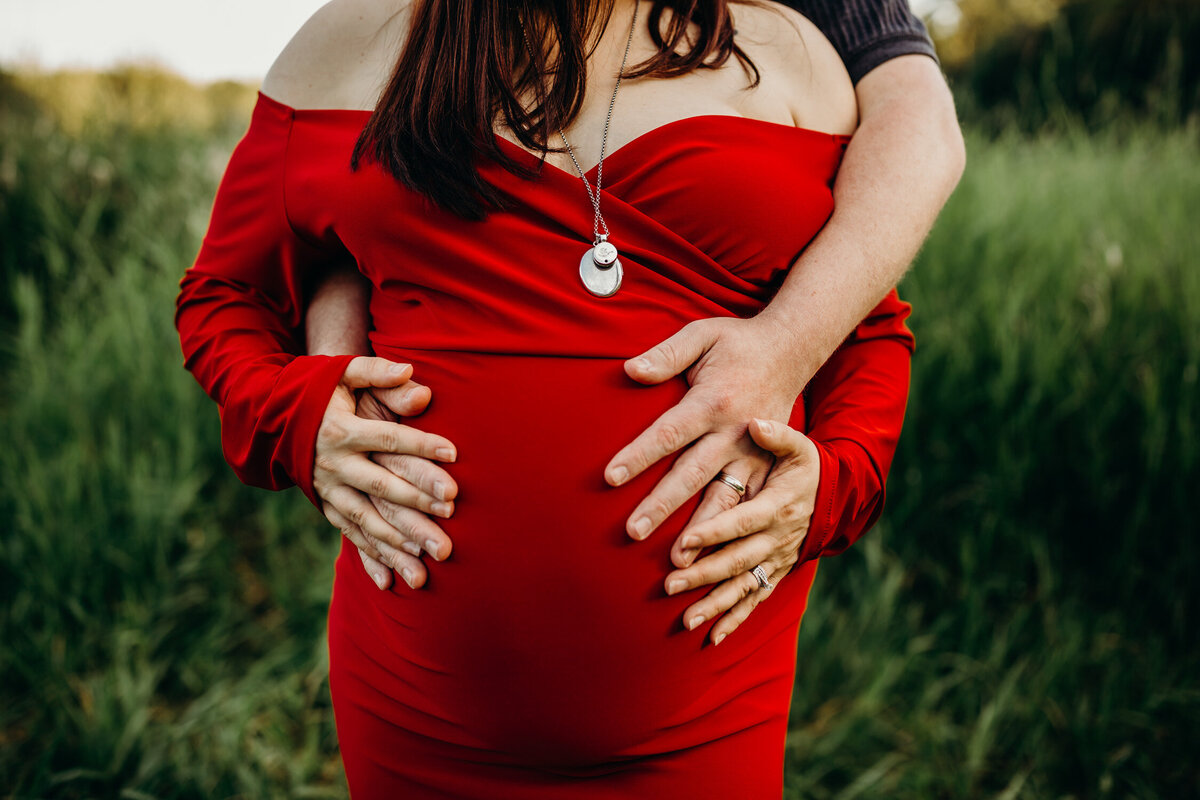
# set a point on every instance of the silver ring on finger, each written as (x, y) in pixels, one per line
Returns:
(760, 575)
(731, 482)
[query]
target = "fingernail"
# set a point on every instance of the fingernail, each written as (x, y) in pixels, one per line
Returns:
(720, 637)
(396, 369)
(409, 577)
(432, 548)
(439, 490)
(380, 580)
(688, 555)
(676, 585)
(641, 527)
(765, 425)
(444, 454)
(690, 542)
(619, 476)
(441, 509)
(412, 548)
(643, 365)
(695, 622)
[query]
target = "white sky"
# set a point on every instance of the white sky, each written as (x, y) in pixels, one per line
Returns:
(204, 40)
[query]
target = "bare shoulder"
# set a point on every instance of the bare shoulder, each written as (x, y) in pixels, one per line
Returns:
(799, 63)
(342, 56)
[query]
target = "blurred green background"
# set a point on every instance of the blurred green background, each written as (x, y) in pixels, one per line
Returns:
(1017, 626)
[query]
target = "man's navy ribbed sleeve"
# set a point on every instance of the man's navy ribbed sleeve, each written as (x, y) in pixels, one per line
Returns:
(867, 33)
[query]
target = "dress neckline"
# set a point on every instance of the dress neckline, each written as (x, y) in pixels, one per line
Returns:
(633, 144)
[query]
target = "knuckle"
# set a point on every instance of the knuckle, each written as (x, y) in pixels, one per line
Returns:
(324, 463)
(378, 486)
(669, 436)
(720, 403)
(727, 498)
(658, 508)
(790, 514)
(390, 440)
(694, 477)
(739, 563)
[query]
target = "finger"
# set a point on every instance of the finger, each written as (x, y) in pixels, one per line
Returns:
(733, 559)
(368, 407)
(678, 426)
(365, 371)
(356, 507)
(688, 476)
(725, 596)
(733, 618)
(407, 400)
(420, 472)
(673, 355)
(369, 435)
(372, 479)
(416, 528)
(379, 572)
(720, 496)
(739, 522)
(782, 440)
(376, 569)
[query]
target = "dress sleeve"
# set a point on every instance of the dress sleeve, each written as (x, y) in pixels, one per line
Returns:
(240, 312)
(855, 407)
(867, 33)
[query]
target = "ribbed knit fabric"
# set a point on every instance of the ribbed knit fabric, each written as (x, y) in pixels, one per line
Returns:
(868, 32)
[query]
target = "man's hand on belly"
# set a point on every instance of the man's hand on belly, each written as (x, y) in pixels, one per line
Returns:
(737, 369)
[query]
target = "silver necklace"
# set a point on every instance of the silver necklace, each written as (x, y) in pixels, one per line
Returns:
(600, 267)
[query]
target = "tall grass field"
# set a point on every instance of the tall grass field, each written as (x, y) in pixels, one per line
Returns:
(1022, 623)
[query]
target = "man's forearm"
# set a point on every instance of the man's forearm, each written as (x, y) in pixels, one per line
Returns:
(898, 171)
(335, 322)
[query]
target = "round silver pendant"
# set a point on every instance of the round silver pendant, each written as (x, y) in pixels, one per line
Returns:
(600, 280)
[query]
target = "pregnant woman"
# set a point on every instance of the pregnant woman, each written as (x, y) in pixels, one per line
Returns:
(543, 659)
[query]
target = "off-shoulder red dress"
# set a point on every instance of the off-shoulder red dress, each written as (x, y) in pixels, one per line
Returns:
(543, 659)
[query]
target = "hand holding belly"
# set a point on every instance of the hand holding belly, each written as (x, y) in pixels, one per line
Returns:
(737, 370)
(382, 507)
(764, 532)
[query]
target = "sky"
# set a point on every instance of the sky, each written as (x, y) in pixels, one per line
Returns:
(206, 40)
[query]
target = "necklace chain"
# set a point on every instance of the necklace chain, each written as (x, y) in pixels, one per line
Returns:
(598, 222)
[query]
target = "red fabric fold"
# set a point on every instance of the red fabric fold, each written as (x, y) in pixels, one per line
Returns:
(239, 316)
(856, 404)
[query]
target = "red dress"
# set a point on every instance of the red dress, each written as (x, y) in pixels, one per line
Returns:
(543, 659)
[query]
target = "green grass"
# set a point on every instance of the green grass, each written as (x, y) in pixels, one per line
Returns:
(1018, 626)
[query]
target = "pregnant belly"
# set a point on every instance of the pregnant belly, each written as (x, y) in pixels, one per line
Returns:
(547, 633)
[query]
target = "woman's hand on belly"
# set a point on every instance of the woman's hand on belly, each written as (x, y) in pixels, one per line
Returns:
(737, 370)
(765, 531)
(382, 507)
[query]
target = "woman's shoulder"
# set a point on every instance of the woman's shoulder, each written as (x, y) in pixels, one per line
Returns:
(342, 57)
(797, 62)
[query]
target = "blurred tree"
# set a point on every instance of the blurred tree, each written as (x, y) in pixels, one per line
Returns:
(1030, 62)
(979, 23)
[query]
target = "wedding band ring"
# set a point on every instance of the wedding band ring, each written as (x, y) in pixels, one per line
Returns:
(731, 482)
(760, 575)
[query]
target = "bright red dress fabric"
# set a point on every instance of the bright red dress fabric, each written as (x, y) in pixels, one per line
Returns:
(543, 659)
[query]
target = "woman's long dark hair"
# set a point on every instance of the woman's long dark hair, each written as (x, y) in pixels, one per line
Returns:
(465, 63)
